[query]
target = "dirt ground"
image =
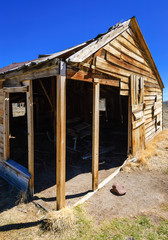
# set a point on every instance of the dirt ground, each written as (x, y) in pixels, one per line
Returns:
(146, 194)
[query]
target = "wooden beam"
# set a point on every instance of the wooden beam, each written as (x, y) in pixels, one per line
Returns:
(86, 76)
(95, 135)
(40, 73)
(30, 125)
(15, 89)
(6, 125)
(61, 135)
(46, 94)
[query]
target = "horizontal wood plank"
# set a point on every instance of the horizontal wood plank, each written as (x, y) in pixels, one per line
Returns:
(127, 66)
(104, 65)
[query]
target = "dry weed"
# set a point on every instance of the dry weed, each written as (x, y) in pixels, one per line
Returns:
(155, 148)
(58, 221)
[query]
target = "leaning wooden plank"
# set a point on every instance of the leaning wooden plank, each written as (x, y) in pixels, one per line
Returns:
(30, 120)
(61, 135)
(15, 174)
(95, 135)
(138, 123)
(138, 115)
(46, 94)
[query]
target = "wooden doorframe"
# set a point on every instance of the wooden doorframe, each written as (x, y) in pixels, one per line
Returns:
(6, 149)
(28, 89)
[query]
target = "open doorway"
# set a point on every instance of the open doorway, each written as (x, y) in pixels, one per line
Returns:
(113, 127)
(18, 128)
(44, 100)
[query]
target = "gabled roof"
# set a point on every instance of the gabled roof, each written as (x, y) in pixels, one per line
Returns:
(136, 30)
(81, 52)
(99, 42)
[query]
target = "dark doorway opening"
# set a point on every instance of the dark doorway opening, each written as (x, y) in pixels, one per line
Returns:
(18, 128)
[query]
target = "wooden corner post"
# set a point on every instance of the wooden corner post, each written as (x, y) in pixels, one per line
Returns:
(61, 135)
(30, 131)
(95, 134)
(6, 149)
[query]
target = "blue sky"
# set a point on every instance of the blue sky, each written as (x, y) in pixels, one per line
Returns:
(29, 28)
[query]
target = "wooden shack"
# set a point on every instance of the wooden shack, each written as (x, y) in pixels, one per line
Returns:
(109, 80)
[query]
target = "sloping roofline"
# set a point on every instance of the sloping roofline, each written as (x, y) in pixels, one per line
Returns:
(136, 30)
(93, 47)
(86, 49)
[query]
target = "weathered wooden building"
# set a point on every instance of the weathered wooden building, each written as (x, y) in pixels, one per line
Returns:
(113, 74)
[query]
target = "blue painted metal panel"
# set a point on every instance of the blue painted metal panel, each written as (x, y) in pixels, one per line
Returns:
(15, 174)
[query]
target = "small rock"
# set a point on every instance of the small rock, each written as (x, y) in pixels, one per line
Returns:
(119, 189)
(131, 238)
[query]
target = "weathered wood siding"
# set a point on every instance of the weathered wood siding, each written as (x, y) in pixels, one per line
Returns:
(122, 57)
(1, 124)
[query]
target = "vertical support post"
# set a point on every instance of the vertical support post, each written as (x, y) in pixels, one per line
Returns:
(129, 148)
(61, 135)
(95, 134)
(6, 125)
(30, 130)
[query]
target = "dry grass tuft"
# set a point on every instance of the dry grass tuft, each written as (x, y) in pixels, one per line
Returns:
(155, 148)
(58, 221)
